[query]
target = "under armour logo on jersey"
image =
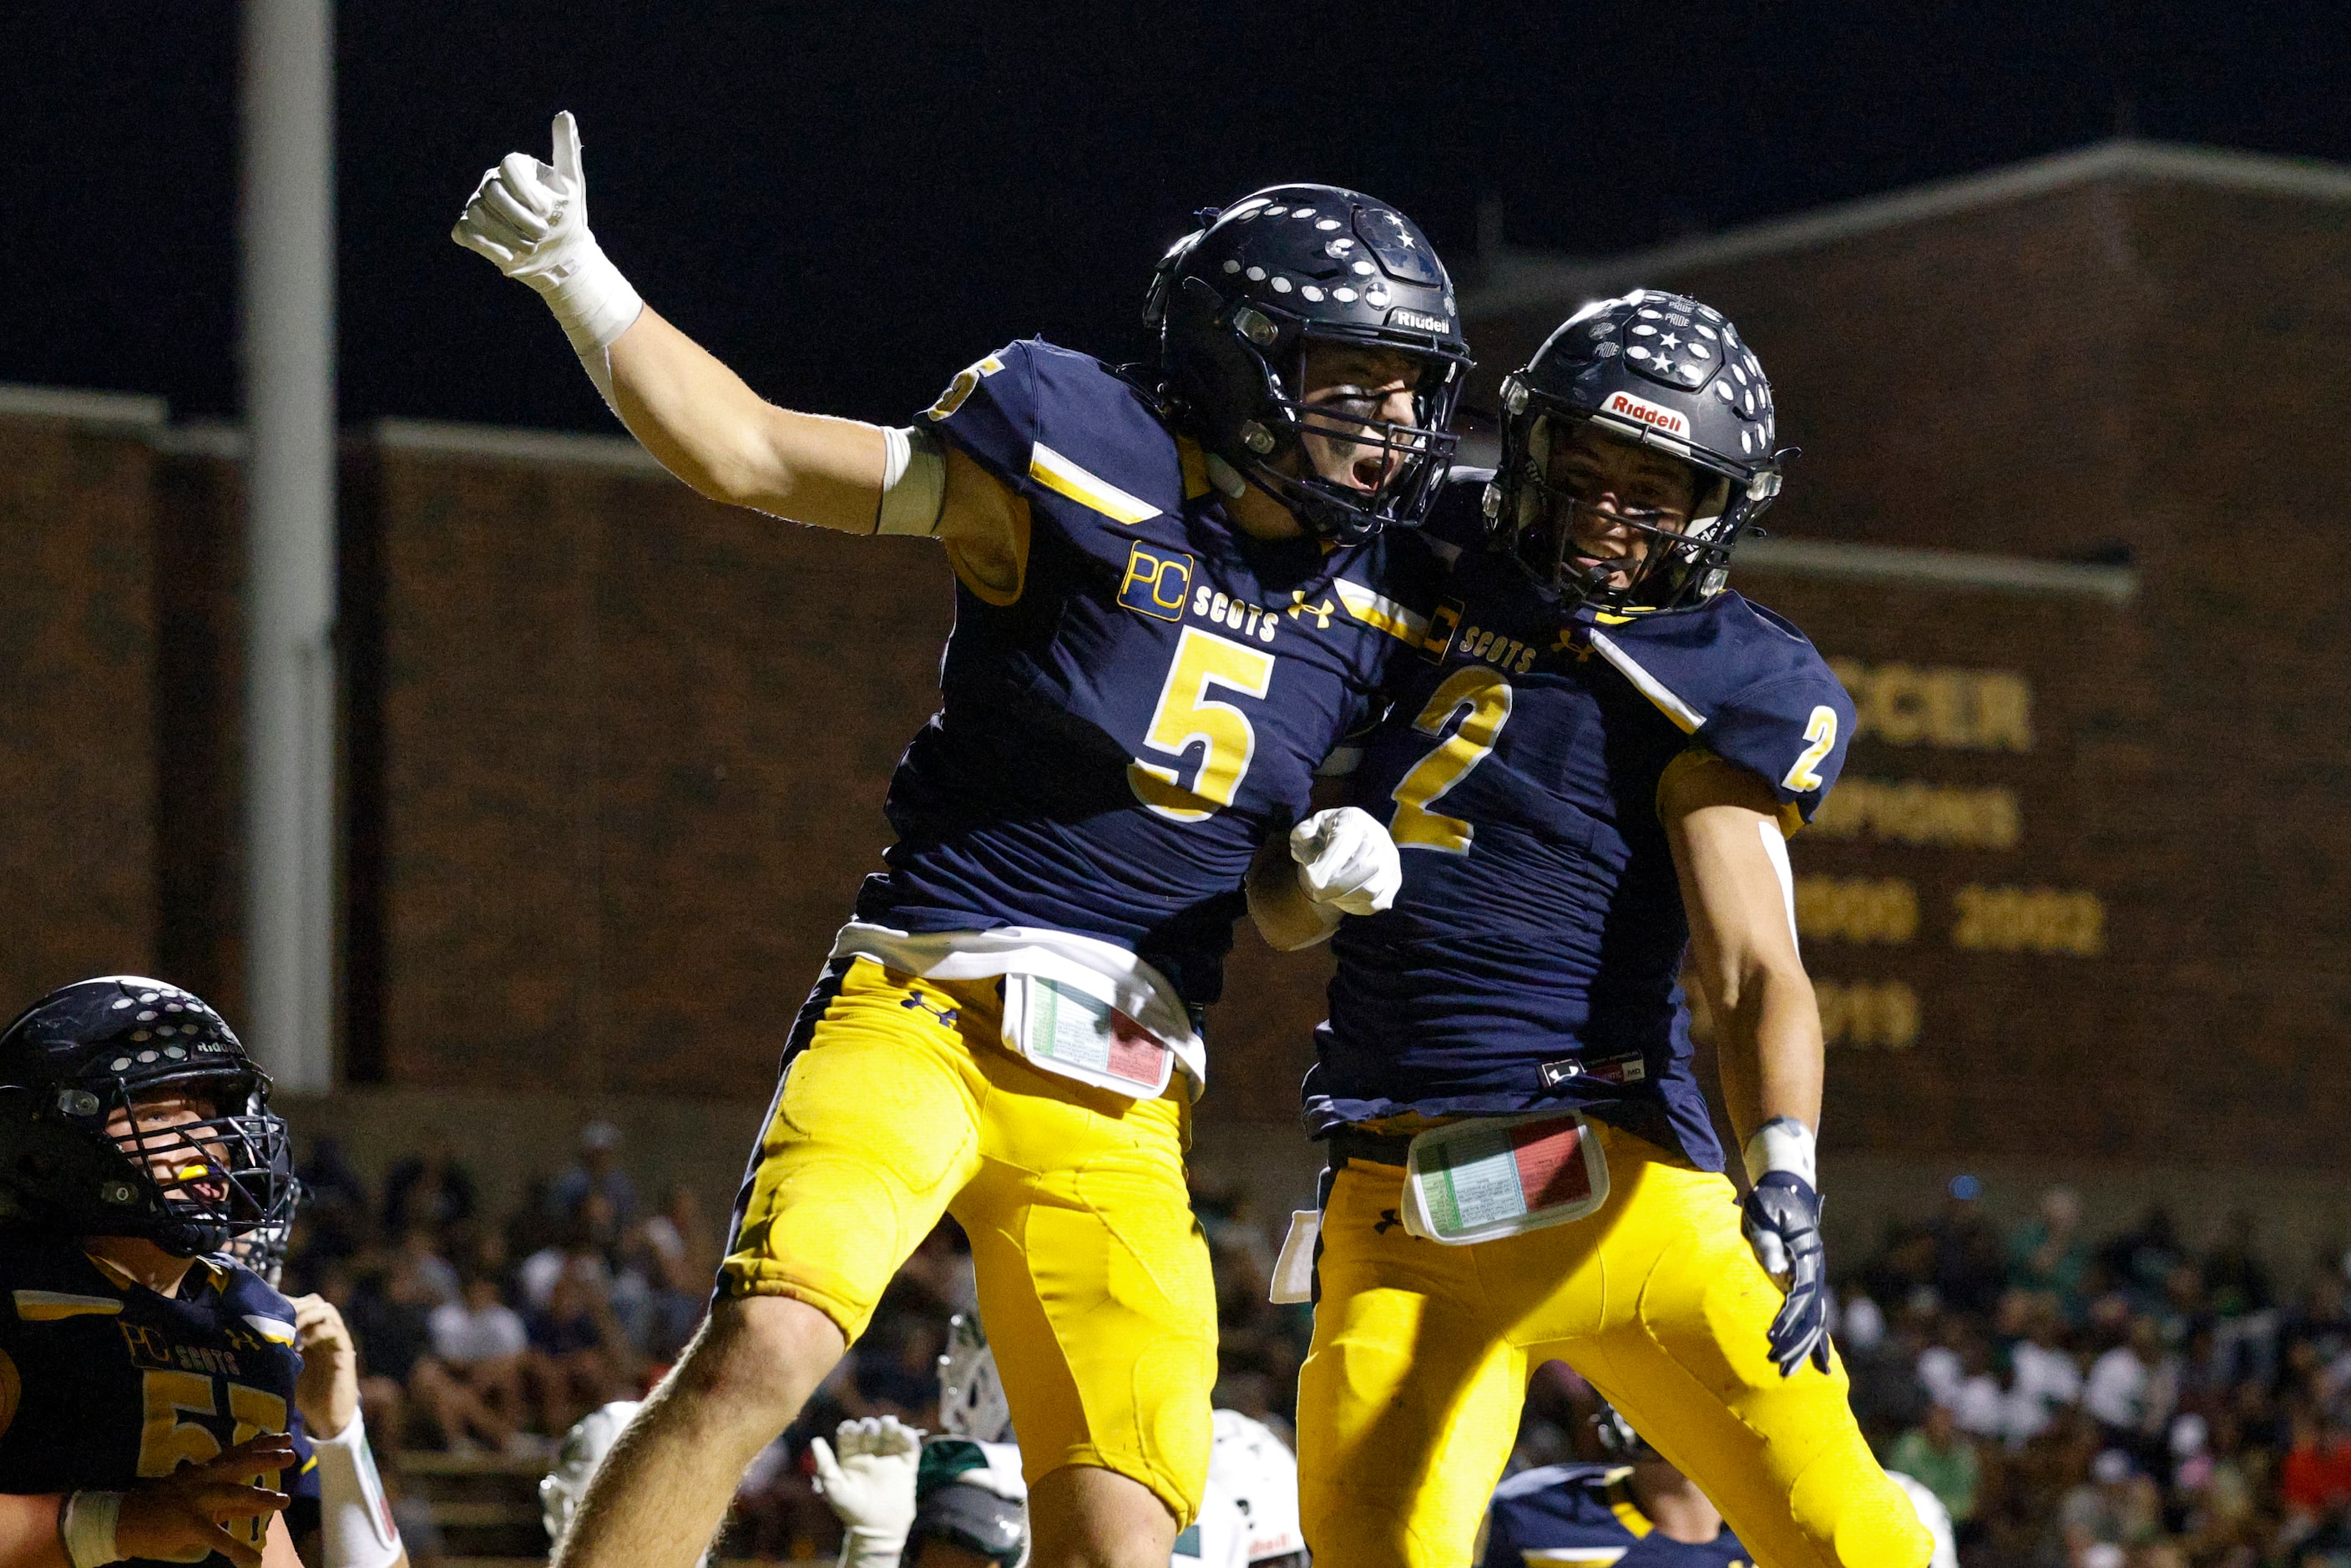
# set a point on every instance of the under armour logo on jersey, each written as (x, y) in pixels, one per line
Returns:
(923, 1004)
(1321, 612)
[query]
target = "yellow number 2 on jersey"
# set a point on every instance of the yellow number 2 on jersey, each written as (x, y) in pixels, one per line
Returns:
(1482, 699)
(1186, 716)
(1820, 730)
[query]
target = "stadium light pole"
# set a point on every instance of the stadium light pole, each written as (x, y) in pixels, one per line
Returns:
(289, 346)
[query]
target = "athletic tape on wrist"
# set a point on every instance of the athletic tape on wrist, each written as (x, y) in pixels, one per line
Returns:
(594, 305)
(88, 1528)
(1783, 1143)
(590, 297)
(913, 483)
(355, 1526)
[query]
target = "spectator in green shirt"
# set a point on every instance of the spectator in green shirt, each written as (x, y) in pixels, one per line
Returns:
(1943, 1459)
(2048, 1253)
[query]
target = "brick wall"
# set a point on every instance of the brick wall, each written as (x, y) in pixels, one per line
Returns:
(633, 748)
(1961, 383)
(77, 723)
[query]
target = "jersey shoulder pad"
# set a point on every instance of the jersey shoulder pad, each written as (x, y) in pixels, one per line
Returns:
(1788, 718)
(1456, 523)
(1743, 683)
(1064, 429)
(248, 1298)
(250, 1292)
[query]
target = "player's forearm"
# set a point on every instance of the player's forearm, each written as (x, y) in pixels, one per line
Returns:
(711, 430)
(1723, 823)
(1768, 1047)
(28, 1530)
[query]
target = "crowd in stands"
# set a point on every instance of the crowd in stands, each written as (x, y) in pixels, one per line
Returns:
(2078, 1402)
(2124, 1401)
(493, 1333)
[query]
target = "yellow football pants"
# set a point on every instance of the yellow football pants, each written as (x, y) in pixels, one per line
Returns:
(1408, 1403)
(1093, 1276)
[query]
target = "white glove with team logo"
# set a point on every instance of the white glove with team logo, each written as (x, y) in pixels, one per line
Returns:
(1346, 862)
(532, 219)
(870, 1485)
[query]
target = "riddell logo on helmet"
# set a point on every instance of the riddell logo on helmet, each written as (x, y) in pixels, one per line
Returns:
(1624, 405)
(1417, 320)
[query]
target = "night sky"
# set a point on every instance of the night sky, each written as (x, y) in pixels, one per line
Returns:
(848, 203)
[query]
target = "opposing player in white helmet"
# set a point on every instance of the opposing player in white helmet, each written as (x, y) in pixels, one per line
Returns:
(1253, 1466)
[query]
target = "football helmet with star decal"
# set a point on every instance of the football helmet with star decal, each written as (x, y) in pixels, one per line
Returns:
(1238, 303)
(128, 1107)
(1661, 370)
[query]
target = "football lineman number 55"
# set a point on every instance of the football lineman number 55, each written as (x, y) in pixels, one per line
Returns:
(1186, 716)
(166, 1442)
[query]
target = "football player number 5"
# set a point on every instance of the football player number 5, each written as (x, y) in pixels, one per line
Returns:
(1187, 716)
(1482, 699)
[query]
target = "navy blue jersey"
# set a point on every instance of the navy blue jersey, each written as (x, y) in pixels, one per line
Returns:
(1124, 726)
(104, 1383)
(1585, 1513)
(1532, 957)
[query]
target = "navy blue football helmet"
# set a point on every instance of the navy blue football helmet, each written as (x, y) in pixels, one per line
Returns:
(1237, 302)
(86, 1055)
(1664, 370)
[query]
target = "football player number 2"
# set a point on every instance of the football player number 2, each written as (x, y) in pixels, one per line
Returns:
(167, 1439)
(1819, 738)
(1188, 716)
(1480, 699)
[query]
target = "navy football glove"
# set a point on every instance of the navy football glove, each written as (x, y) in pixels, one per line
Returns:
(1782, 1222)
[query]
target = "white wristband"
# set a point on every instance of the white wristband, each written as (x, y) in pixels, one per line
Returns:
(595, 305)
(589, 296)
(355, 1527)
(913, 483)
(88, 1528)
(1783, 1143)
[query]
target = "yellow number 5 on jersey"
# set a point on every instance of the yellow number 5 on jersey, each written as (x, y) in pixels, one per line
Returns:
(1188, 715)
(1820, 731)
(1482, 698)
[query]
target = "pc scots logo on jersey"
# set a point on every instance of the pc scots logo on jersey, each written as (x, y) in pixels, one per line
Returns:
(1157, 582)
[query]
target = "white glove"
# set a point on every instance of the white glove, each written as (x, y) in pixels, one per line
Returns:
(1346, 862)
(871, 1486)
(532, 219)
